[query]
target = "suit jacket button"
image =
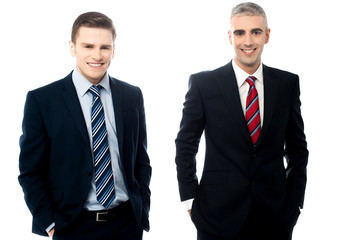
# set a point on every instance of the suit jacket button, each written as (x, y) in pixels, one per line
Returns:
(253, 183)
(89, 173)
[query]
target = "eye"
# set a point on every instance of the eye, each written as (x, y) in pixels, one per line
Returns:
(238, 33)
(257, 31)
(87, 46)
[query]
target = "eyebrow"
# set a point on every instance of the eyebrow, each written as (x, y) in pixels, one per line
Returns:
(253, 30)
(91, 44)
(257, 30)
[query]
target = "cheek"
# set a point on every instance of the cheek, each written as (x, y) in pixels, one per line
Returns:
(108, 56)
(237, 42)
(80, 60)
(109, 59)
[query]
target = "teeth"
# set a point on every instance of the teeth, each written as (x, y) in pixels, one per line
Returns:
(248, 50)
(95, 64)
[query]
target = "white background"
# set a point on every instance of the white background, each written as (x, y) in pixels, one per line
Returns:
(159, 44)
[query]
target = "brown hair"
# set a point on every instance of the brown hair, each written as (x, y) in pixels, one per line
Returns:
(92, 20)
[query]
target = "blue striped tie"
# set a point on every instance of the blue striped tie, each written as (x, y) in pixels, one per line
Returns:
(104, 181)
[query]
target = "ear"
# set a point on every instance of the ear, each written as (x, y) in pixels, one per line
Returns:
(230, 37)
(113, 51)
(268, 31)
(72, 48)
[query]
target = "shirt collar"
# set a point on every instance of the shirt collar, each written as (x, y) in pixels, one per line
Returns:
(241, 75)
(82, 84)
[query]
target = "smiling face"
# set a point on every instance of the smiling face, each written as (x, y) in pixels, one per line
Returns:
(248, 35)
(93, 50)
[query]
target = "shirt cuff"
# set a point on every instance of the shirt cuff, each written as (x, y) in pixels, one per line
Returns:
(50, 227)
(188, 203)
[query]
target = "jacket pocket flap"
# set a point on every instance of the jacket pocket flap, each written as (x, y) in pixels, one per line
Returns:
(216, 177)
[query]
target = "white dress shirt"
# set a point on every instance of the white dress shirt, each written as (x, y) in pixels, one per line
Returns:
(243, 88)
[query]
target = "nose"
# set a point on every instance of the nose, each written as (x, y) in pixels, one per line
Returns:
(248, 40)
(97, 55)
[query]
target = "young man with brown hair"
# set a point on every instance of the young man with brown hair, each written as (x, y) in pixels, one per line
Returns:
(84, 167)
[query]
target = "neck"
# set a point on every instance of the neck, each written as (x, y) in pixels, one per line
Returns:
(248, 69)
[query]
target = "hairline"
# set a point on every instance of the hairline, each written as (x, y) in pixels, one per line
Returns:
(251, 15)
(249, 9)
(86, 26)
(94, 20)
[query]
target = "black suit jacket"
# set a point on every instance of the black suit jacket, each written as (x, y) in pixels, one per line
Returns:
(56, 163)
(238, 176)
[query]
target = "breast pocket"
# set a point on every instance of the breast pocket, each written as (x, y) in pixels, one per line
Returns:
(281, 115)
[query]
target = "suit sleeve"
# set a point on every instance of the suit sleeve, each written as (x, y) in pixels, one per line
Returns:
(33, 164)
(143, 169)
(296, 152)
(187, 141)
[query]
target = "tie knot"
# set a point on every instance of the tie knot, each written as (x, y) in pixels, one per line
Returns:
(95, 90)
(251, 80)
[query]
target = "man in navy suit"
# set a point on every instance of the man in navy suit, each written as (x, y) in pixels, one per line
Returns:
(254, 175)
(57, 155)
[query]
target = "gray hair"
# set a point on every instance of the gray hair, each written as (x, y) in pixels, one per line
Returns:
(248, 9)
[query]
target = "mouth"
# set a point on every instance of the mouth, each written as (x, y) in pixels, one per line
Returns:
(95, 64)
(249, 51)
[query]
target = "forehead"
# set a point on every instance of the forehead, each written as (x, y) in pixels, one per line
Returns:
(248, 22)
(94, 35)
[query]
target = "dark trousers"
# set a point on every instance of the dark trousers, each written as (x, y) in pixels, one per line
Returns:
(256, 229)
(123, 226)
(248, 234)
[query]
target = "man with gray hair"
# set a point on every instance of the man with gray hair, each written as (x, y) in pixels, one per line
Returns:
(254, 176)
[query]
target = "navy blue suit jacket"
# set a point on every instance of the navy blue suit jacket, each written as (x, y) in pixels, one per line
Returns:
(56, 163)
(238, 176)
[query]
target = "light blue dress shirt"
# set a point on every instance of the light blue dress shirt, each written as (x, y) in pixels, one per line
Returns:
(82, 86)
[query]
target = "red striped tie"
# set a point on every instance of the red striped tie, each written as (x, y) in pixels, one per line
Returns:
(253, 118)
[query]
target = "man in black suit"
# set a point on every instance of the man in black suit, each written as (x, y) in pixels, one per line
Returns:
(83, 163)
(250, 114)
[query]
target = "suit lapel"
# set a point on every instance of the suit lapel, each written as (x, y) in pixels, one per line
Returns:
(72, 102)
(227, 82)
(271, 86)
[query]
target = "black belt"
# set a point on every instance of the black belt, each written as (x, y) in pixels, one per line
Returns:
(105, 215)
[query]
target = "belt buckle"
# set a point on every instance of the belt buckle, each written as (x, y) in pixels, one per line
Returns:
(98, 216)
